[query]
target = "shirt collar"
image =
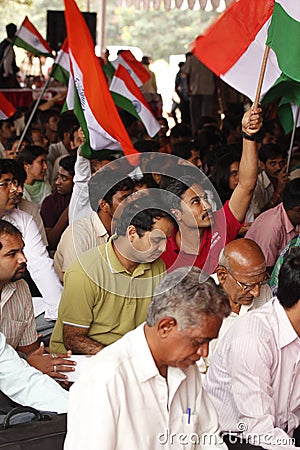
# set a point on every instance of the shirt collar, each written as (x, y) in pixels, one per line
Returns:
(286, 332)
(289, 227)
(98, 225)
(115, 265)
(147, 368)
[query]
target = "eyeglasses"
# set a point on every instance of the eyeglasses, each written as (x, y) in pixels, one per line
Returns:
(7, 183)
(248, 287)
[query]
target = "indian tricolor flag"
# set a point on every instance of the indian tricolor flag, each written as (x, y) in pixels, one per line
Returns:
(6, 108)
(233, 46)
(134, 67)
(30, 39)
(89, 93)
(284, 39)
(127, 95)
(61, 67)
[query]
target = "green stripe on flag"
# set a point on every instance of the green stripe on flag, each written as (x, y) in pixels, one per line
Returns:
(124, 103)
(284, 39)
(20, 43)
(60, 74)
(109, 70)
(288, 91)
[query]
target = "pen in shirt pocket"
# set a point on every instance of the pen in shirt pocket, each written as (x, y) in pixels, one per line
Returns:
(188, 411)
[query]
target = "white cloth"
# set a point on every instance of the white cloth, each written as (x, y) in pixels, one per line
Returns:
(122, 402)
(26, 385)
(254, 377)
(265, 295)
(262, 193)
(39, 264)
(32, 209)
(79, 237)
(79, 205)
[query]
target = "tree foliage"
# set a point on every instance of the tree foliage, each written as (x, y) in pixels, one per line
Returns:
(158, 33)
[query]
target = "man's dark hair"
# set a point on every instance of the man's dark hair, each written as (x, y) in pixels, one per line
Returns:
(182, 149)
(66, 124)
(181, 130)
(141, 213)
(30, 153)
(291, 194)
(45, 115)
(178, 187)
(11, 30)
(104, 185)
(271, 151)
(288, 292)
(68, 163)
(8, 228)
(6, 166)
(18, 171)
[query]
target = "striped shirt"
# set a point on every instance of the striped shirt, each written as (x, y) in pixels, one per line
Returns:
(17, 321)
(254, 377)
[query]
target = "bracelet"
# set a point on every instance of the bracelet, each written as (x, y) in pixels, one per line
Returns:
(248, 136)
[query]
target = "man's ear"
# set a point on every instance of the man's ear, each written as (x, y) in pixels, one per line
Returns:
(131, 233)
(262, 165)
(156, 177)
(222, 274)
(165, 326)
(104, 206)
(177, 214)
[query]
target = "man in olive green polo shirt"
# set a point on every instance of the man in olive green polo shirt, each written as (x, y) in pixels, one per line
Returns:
(108, 290)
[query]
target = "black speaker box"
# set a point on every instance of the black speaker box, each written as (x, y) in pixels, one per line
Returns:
(56, 27)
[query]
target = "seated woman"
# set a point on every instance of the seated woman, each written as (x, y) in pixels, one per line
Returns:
(33, 159)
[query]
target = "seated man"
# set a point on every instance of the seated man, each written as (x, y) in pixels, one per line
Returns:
(144, 392)
(40, 266)
(108, 290)
(271, 180)
(17, 318)
(254, 379)
(54, 210)
(242, 274)
(26, 385)
(107, 190)
(274, 228)
(202, 234)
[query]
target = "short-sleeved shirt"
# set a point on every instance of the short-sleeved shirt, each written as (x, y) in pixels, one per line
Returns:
(52, 208)
(224, 230)
(295, 242)
(17, 317)
(272, 230)
(79, 237)
(103, 297)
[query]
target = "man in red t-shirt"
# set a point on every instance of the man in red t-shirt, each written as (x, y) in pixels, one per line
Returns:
(202, 234)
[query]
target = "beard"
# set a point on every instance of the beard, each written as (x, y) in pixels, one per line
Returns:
(19, 273)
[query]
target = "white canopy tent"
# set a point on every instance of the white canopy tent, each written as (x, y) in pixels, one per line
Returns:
(207, 5)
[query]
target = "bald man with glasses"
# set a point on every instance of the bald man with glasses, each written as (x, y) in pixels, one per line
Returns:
(242, 274)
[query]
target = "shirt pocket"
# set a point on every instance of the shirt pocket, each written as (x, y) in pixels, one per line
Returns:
(189, 426)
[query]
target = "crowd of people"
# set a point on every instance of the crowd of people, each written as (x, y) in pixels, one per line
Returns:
(181, 273)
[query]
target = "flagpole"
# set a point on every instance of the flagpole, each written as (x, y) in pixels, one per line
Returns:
(261, 77)
(292, 139)
(36, 106)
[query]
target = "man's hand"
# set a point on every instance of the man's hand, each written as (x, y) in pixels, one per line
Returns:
(52, 364)
(282, 179)
(252, 121)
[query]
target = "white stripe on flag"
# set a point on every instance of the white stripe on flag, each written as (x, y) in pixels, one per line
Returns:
(31, 39)
(242, 74)
(99, 138)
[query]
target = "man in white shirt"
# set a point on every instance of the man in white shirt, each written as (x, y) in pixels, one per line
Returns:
(242, 274)
(144, 392)
(39, 263)
(254, 378)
